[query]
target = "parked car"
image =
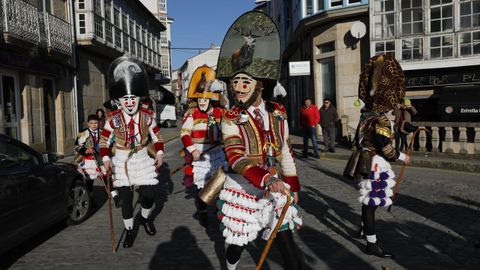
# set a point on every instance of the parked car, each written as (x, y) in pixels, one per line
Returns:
(35, 193)
(166, 115)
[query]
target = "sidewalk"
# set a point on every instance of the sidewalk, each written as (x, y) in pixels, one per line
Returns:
(455, 162)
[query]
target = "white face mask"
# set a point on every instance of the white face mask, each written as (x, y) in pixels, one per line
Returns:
(130, 103)
(203, 104)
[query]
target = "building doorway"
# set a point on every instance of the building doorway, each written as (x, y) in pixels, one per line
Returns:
(10, 101)
(329, 85)
(49, 115)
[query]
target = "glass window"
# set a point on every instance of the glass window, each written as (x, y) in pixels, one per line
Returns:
(81, 24)
(328, 79)
(384, 18)
(116, 17)
(470, 14)
(81, 4)
(124, 23)
(354, 2)
(327, 47)
(441, 15)
(412, 49)
(98, 21)
(132, 28)
(12, 158)
(469, 43)
(109, 32)
(441, 46)
(308, 7)
(336, 3)
(132, 46)
(386, 47)
(412, 17)
(108, 10)
(97, 7)
(320, 5)
(118, 37)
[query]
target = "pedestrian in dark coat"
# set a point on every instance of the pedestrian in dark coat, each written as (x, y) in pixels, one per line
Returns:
(328, 120)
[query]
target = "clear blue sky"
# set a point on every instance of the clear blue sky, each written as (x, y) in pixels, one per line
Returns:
(199, 23)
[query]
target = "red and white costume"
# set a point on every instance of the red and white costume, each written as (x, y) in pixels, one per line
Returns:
(131, 162)
(201, 131)
(244, 208)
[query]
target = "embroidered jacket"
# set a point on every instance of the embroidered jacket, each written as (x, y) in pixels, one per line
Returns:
(245, 145)
(376, 135)
(145, 128)
(86, 139)
(199, 130)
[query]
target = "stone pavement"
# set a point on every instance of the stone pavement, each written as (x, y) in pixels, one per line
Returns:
(457, 162)
(433, 225)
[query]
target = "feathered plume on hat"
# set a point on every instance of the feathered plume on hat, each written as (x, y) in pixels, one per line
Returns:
(382, 84)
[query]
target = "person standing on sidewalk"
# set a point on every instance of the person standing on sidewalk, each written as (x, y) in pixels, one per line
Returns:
(201, 134)
(309, 118)
(328, 120)
(133, 127)
(256, 137)
(381, 88)
(403, 123)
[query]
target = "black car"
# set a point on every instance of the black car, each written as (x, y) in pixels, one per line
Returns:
(35, 193)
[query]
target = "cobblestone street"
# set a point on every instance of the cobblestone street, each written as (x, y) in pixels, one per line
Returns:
(433, 225)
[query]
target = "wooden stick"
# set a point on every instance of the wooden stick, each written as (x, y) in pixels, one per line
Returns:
(275, 231)
(402, 170)
(110, 215)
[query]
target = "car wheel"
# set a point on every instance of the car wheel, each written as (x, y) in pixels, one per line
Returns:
(79, 203)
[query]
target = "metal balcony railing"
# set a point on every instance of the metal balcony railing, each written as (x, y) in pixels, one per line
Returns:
(20, 20)
(56, 33)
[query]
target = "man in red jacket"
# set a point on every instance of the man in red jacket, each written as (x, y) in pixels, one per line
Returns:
(309, 118)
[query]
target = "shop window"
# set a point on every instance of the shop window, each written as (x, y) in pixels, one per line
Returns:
(412, 49)
(81, 24)
(441, 16)
(386, 47)
(469, 14)
(469, 43)
(412, 17)
(441, 47)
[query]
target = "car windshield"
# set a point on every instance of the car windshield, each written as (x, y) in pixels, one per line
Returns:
(13, 157)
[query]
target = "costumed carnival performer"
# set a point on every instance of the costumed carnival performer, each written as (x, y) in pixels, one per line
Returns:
(87, 146)
(381, 88)
(132, 127)
(256, 137)
(201, 133)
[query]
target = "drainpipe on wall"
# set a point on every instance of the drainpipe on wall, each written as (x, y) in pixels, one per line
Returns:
(74, 64)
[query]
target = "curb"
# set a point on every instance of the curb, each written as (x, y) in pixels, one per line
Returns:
(445, 165)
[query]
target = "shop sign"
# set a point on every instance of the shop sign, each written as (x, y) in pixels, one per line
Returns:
(464, 110)
(299, 68)
(472, 77)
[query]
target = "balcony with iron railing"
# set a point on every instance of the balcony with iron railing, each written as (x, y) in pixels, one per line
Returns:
(98, 30)
(19, 22)
(56, 34)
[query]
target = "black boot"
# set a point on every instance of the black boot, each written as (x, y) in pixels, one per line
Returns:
(148, 225)
(128, 242)
(374, 249)
(117, 201)
(202, 218)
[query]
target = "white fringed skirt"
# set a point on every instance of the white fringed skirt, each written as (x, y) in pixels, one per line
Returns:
(244, 211)
(140, 168)
(376, 190)
(207, 166)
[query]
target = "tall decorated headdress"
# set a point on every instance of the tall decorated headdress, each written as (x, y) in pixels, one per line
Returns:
(127, 76)
(199, 84)
(251, 46)
(382, 84)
